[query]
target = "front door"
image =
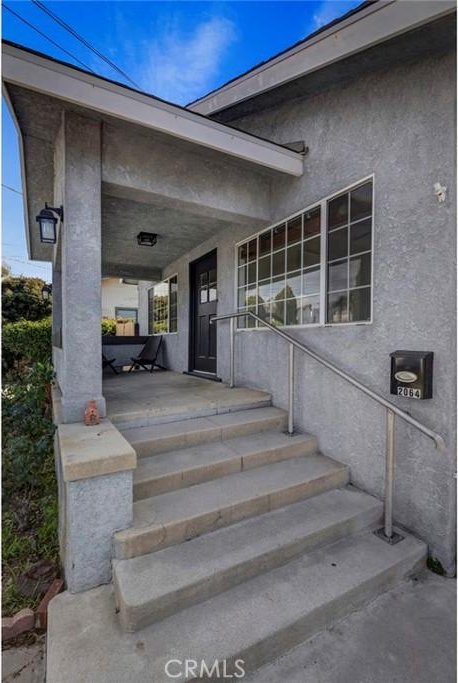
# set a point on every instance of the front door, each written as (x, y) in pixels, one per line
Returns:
(204, 294)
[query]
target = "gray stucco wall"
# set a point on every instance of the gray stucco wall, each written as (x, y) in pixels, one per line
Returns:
(399, 125)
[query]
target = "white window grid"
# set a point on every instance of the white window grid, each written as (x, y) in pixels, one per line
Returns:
(151, 292)
(321, 266)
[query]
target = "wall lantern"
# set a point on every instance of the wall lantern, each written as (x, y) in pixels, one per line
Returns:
(46, 292)
(47, 222)
(146, 239)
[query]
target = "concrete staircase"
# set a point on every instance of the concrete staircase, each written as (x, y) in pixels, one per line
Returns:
(245, 542)
(231, 504)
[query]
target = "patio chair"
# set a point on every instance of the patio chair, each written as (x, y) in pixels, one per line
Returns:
(147, 358)
(107, 362)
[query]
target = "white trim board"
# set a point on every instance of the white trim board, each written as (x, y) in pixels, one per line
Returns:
(370, 26)
(44, 75)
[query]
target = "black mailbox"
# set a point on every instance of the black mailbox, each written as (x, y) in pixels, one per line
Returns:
(412, 374)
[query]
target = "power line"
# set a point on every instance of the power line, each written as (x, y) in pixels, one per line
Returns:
(82, 40)
(7, 187)
(59, 47)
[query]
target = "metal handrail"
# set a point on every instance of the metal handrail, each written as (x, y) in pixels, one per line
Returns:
(391, 408)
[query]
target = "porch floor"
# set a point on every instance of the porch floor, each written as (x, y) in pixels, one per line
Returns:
(141, 398)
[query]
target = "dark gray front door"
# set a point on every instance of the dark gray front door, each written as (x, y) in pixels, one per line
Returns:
(204, 295)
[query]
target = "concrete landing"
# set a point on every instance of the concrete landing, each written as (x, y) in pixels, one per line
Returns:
(142, 398)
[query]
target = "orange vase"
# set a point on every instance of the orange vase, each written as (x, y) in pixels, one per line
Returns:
(91, 414)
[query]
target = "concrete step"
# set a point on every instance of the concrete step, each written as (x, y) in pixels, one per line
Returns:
(178, 405)
(192, 432)
(188, 466)
(155, 586)
(256, 621)
(178, 516)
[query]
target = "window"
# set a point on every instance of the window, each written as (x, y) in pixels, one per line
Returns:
(163, 307)
(349, 236)
(280, 270)
(126, 313)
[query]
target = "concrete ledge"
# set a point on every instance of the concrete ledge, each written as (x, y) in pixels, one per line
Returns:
(93, 451)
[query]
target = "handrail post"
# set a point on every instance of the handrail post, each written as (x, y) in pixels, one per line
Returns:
(232, 353)
(291, 390)
(389, 473)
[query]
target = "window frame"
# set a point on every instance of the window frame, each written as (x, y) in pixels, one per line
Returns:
(165, 280)
(126, 308)
(323, 204)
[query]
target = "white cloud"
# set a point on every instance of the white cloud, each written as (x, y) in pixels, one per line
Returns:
(179, 67)
(329, 10)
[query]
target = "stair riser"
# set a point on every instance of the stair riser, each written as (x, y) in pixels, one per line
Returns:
(148, 540)
(143, 419)
(185, 440)
(198, 475)
(133, 618)
(269, 649)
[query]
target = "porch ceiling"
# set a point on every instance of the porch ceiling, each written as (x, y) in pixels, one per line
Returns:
(178, 232)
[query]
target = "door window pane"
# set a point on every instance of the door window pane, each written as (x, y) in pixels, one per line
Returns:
(242, 276)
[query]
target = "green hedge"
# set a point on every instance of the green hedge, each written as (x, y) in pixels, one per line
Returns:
(108, 326)
(29, 341)
(26, 342)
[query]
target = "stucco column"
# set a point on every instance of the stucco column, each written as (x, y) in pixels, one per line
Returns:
(79, 166)
(143, 288)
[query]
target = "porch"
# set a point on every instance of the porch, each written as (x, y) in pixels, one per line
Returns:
(141, 398)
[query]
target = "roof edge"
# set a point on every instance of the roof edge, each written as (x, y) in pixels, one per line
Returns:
(371, 23)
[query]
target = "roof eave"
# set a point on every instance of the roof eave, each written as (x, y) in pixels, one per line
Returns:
(61, 81)
(371, 25)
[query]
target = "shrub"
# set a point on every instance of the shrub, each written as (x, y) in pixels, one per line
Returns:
(26, 342)
(22, 299)
(27, 431)
(108, 326)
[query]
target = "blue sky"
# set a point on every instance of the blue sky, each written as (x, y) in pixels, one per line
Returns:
(176, 50)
